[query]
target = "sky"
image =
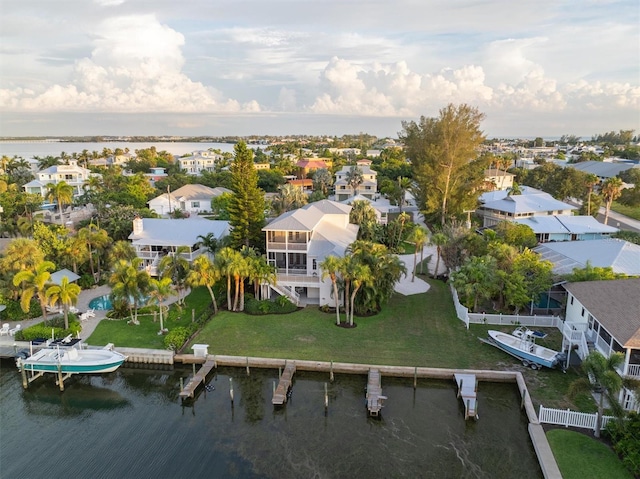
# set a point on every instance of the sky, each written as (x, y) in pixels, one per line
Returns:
(316, 67)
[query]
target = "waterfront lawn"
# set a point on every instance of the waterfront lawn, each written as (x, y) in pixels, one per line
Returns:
(582, 457)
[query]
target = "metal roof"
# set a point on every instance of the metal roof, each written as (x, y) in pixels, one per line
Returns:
(177, 232)
(565, 224)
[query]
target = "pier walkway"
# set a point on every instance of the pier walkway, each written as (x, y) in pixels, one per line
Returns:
(280, 394)
(374, 393)
(467, 390)
(199, 378)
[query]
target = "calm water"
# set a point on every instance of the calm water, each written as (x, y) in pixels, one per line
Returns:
(131, 424)
(28, 150)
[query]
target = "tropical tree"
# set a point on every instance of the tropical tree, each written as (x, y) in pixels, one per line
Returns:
(176, 266)
(438, 240)
(246, 208)
(21, 254)
(223, 262)
(210, 242)
(404, 185)
(360, 274)
(121, 250)
(603, 379)
(76, 252)
(418, 237)
(205, 272)
(355, 178)
(97, 240)
(593, 273)
(61, 193)
(476, 280)
(65, 293)
(442, 152)
(289, 197)
(590, 180)
(330, 267)
(34, 283)
(322, 181)
(129, 284)
(611, 190)
(159, 290)
(260, 271)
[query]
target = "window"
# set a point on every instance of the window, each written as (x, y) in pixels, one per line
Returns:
(195, 204)
(571, 299)
(315, 264)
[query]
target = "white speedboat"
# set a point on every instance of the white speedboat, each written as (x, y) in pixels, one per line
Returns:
(73, 361)
(525, 349)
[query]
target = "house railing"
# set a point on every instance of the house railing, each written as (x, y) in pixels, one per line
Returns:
(292, 271)
(297, 278)
(634, 371)
(287, 291)
(515, 319)
(290, 246)
(568, 418)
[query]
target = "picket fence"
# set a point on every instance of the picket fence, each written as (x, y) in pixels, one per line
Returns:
(502, 319)
(566, 418)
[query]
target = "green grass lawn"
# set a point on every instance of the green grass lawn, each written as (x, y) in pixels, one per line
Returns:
(630, 211)
(582, 457)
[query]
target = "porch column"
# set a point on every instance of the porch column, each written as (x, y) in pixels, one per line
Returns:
(627, 358)
(286, 254)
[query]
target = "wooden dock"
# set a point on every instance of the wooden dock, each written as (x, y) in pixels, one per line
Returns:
(374, 393)
(199, 378)
(467, 390)
(281, 391)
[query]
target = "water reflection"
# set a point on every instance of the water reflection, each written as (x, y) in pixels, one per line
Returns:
(134, 425)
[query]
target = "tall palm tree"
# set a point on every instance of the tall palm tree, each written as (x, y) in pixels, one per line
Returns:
(611, 190)
(404, 185)
(66, 293)
(62, 193)
(240, 270)
(34, 283)
(590, 181)
(205, 272)
(355, 178)
(223, 261)
(438, 240)
(97, 240)
(121, 250)
(360, 274)
(210, 242)
(330, 267)
(160, 289)
(418, 237)
(176, 266)
(129, 284)
(602, 378)
(260, 271)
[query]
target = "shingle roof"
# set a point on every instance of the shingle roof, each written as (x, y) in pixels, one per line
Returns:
(615, 304)
(621, 256)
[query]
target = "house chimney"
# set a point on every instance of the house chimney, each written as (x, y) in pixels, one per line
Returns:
(137, 225)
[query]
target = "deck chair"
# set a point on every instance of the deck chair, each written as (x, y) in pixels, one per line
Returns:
(91, 313)
(4, 331)
(12, 332)
(84, 317)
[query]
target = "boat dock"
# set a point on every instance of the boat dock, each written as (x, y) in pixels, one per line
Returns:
(374, 393)
(200, 377)
(467, 390)
(281, 391)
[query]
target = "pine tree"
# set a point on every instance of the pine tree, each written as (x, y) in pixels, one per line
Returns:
(246, 208)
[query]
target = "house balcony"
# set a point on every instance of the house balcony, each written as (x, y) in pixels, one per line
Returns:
(296, 278)
(290, 246)
(633, 371)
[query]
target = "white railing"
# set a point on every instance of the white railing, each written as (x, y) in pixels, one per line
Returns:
(634, 370)
(566, 418)
(297, 278)
(288, 292)
(512, 319)
(461, 311)
(273, 245)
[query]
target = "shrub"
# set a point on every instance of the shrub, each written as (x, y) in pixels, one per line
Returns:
(625, 437)
(86, 281)
(176, 338)
(53, 326)
(282, 305)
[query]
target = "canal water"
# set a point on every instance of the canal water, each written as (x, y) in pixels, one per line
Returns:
(132, 424)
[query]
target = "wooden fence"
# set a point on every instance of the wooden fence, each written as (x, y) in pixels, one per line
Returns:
(566, 418)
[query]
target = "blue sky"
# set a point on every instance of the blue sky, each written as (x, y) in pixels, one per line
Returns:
(217, 67)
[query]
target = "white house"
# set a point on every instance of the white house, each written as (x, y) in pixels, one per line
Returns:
(74, 175)
(497, 206)
(502, 180)
(199, 161)
(622, 256)
(154, 238)
(367, 188)
(566, 228)
(605, 316)
(191, 199)
(299, 240)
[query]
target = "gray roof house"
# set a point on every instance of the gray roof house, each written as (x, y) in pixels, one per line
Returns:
(191, 199)
(566, 228)
(602, 169)
(606, 315)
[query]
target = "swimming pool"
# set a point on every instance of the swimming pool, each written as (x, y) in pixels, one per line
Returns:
(101, 303)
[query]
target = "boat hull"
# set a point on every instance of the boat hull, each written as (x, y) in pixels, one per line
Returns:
(525, 350)
(74, 361)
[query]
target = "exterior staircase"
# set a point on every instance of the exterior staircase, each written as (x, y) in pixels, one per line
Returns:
(287, 291)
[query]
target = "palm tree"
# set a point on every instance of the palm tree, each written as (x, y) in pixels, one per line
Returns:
(66, 293)
(438, 240)
(260, 271)
(21, 254)
(175, 266)
(322, 181)
(160, 289)
(515, 189)
(590, 181)
(76, 252)
(129, 284)
(210, 242)
(62, 193)
(355, 178)
(205, 272)
(418, 237)
(239, 269)
(603, 378)
(330, 267)
(359, 274)
(97, 240)
(404, 185)
(121, 250)
(611, 190)
(289, 198)
(223, 261)
(34, 283)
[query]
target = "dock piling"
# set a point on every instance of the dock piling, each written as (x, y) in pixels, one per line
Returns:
(231, 390)
(331, 372)
(415, 377)
(248, 372)
(326, 397)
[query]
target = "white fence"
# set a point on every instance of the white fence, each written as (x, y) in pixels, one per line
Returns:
(566, 418)
(502, 319)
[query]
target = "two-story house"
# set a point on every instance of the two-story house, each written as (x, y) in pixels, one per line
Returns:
(74, 175)
(199, 161)
(191, 199)
(499, 179)
(299, 240)
(499, 205)
(605, 316)
(367, 188)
